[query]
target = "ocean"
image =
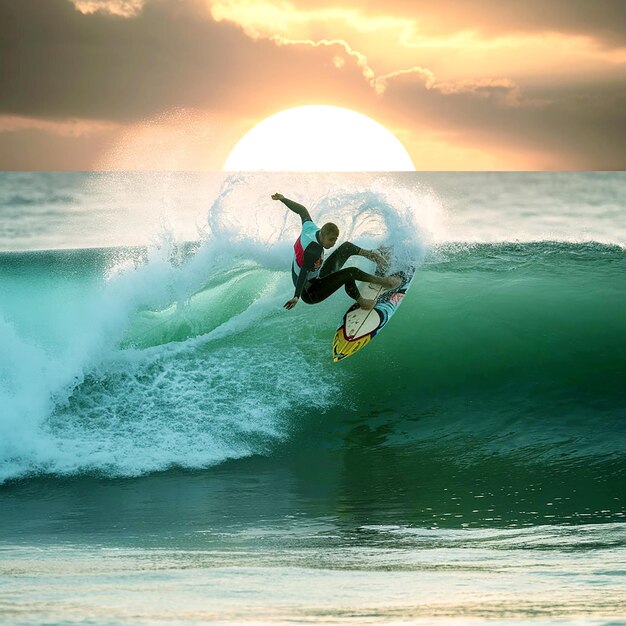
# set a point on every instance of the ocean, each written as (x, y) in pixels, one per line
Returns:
(177, 448)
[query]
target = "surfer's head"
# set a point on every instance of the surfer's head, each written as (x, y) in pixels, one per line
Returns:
(328, 235)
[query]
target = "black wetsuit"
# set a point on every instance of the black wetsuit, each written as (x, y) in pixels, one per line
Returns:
(332, 276)
(313, 278)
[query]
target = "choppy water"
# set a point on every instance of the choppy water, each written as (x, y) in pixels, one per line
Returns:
(170, 436)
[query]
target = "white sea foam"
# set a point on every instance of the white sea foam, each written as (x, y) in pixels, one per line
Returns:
(86, 402)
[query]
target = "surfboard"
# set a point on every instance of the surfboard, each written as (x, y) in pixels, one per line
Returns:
(358, 327)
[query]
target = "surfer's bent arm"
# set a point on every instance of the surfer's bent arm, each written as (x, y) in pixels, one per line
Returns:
(294, 206)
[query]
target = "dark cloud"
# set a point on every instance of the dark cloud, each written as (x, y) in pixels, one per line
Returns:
(582, 129)
(57, 62)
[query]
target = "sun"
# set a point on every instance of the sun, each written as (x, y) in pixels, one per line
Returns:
(319, 138)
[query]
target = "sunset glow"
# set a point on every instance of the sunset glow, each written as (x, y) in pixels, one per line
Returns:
(462, 84)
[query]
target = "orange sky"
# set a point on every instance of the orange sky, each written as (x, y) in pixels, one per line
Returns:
(173, 84)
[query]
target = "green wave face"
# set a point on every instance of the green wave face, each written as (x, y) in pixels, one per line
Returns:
(507, 355)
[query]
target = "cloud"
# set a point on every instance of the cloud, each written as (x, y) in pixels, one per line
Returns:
(35, 147)
(338, 61)
(60, 63)
(573, 130)
(566, 120)
(502, 89)
(96, 62)
(457, 45)
(121, 8)
(485, 87)
(602, 20)
(61, 128)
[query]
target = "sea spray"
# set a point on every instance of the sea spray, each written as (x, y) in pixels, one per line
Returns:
(243, 214)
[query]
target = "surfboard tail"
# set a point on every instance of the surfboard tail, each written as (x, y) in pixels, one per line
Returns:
(344, 347)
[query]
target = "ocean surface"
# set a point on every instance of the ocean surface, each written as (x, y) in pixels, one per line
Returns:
(176, 448)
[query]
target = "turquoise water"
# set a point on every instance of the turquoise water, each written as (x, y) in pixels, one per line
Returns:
(175, 447)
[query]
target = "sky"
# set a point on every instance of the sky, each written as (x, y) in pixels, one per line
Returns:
(175, 84)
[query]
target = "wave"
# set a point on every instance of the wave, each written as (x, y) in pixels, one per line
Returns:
(146, 359)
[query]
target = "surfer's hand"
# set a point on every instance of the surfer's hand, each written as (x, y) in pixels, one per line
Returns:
(380, 260)
(278, 196)
(291, 303)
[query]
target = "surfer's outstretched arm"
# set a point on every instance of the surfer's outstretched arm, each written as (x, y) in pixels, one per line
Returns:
(294, 206)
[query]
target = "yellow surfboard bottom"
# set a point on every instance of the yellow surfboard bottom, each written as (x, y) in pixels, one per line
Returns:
(343, 348)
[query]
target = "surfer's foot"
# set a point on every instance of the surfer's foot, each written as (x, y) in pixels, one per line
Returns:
(391, 282)
(365, 304)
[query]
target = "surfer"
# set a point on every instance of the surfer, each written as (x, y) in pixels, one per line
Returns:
(314, 280)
